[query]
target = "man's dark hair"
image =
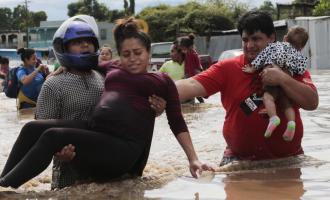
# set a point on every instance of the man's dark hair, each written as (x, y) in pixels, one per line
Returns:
(254, 21)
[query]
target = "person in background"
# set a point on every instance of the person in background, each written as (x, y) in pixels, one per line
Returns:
(116, 139)
(192, 65)
(174, 67)
(31, 77)
(4, 67)
(288, 56)
(245, 125)
(105, 55)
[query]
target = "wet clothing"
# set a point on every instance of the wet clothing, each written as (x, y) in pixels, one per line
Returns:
(71, 97)
(30, 90)
(244, 130)
(173, 69)
(282, 54)
(192, 64)
(114, 141)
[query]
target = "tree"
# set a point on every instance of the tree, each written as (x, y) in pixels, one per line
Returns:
(268, 7)
(322, 8)
(90, 7)
(166, 22)
(205, 22)
(21, 18)
(6, 19)
(37, 17)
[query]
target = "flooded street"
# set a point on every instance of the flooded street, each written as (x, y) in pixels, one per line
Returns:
(166, 175)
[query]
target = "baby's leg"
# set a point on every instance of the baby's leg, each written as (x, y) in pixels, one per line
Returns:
(290, 115)
(274, 120)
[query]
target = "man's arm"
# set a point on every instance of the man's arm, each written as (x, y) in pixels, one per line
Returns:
(301, 94)
(189, 88)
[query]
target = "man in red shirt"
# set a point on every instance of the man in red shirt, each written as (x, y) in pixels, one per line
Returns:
(241, 93)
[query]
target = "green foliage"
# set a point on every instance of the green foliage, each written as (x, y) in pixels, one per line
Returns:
(322, 9)
(166, 22)
(20, 18)
(268, 6)
(6, 18)
(37, 17)
(89, 7)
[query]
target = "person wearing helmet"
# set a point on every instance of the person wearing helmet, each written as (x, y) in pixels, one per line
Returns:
(116, 140)
(73, 94)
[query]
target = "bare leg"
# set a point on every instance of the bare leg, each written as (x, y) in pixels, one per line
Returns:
(290, 115)
(274, 120)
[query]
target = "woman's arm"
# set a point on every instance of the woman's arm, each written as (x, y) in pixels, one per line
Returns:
(300, 93)
(28, 78)
(195, 166)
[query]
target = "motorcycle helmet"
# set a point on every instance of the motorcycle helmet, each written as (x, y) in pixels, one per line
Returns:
(80, 26)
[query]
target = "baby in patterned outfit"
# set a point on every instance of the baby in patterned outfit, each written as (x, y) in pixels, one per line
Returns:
(288, 56)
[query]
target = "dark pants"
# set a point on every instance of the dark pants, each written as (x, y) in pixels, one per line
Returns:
(99, 155)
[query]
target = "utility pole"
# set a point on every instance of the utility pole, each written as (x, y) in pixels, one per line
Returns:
(27, 22)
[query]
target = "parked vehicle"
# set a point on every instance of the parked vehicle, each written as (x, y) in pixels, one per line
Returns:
(230, 53)
(160, 53)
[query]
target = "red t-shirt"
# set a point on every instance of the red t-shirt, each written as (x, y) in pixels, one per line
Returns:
(244, 133)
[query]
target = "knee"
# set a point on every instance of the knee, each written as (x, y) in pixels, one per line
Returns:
(51, 135)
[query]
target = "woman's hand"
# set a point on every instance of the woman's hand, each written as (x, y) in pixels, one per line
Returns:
(196, 168)
(66, 154)
(56, 72)
(158, 104)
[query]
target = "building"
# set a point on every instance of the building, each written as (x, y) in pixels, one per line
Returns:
(42, 37)
(12, 39)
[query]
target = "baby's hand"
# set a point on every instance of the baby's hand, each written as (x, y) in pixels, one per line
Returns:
(248, 69)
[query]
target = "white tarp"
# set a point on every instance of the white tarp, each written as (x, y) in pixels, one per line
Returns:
(318, 47)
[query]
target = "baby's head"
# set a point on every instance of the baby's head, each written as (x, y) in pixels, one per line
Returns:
(297, 37)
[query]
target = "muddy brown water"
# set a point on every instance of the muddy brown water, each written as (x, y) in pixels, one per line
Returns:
(166, 175)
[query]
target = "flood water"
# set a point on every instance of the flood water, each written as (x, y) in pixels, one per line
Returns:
(167, 177)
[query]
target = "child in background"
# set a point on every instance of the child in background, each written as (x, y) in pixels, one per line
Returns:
(288, 56)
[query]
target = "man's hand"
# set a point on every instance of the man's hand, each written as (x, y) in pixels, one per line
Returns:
(158, 104)
(273, 76)
(66, 154)
(196, 168)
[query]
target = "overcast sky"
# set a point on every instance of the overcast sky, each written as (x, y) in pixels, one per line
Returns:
(57, 9)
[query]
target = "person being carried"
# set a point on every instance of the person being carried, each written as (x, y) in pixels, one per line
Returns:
(73, 93)
(244, 125)
(116, 139)
(288, 56)
(174, 67)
